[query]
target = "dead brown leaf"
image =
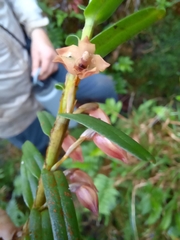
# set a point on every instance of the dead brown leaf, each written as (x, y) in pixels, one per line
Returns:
(7, 228)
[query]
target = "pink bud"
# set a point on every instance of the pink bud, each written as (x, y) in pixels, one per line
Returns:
(110, 148)
(79, 177)
(88, 198)
(76, 155)
(99, 113)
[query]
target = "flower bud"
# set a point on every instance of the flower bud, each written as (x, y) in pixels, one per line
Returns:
(76, 155)
(110, 148)
(100, 114)
(87, 196)
(80, 177)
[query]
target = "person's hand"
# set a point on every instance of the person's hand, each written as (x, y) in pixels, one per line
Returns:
(42, 54)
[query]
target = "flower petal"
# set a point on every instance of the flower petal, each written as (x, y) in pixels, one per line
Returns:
(110, 148)
(100, 114)
(99, 62)
(76, 155)
(85, 45)
(69, 52)
(75, 175)
(69, 65)
(88, 198)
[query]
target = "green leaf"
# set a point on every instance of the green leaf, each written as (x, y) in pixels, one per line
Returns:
(54, 205)
(113, 134)
(99, 11)
(59, 86)
(26, 189)
(46, 121)
(82, 7)
(46, 225)
(107, 194)
(33, 182)
(35, 228)
(67, 206)
(123, 30)
(166, 220)
(177, 220)
(72, 39)
(27, 237)
(177, 98)
(32, 158)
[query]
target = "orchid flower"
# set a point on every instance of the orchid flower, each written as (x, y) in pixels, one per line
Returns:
(80, 60)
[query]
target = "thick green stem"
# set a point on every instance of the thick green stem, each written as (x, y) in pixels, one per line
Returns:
(88, 28)
(58, 132)
(60, 127)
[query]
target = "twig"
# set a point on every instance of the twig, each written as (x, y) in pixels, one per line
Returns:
(133, 208)
(131, 100)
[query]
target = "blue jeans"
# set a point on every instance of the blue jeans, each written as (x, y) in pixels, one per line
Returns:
(96, 88)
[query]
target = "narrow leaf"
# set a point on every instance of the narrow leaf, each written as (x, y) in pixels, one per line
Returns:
(67, 206)
(113, 134)
(35, 225)
(82, 7)
(46, 225)
(123, 30)
(99, 11)
(32, 158)
(33, 183)
(46, 121)
(59, 86)
(26, 189)
(54, 206)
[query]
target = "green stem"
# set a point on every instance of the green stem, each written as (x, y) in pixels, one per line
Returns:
(61, 124)
(88, 28)
(58, 132)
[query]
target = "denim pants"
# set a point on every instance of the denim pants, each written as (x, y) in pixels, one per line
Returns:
(96, 88)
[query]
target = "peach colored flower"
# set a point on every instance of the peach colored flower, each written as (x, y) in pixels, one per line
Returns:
(80, 60)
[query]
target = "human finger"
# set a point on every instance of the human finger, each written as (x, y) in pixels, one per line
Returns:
(35, 61)
(47, 68)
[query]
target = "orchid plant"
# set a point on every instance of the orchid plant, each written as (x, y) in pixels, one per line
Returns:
(46, 189)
